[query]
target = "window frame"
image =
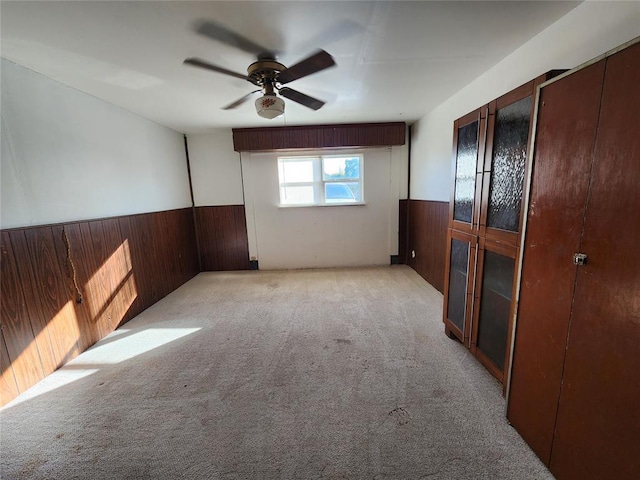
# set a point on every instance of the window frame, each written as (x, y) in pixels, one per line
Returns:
(319, 179)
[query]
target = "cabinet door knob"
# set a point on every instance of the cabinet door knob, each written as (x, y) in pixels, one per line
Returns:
(579, 259)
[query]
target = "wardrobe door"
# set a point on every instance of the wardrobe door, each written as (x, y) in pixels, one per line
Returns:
(598, 427)
(566, 128)
(493, 306)
(506, 163)
(468, 147)
(458, 294)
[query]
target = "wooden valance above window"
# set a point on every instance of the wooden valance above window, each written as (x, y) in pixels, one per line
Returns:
(319, 136)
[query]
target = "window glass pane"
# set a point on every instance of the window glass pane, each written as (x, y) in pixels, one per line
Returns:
(465, 172)
(458, 283)
(320, 180)
(296, 171)
(497, 279)
(508, 165)
(341, 168)
(296, 195)
(339, 192)
(356, 189)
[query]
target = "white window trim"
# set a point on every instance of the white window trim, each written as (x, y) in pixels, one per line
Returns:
(319, 180)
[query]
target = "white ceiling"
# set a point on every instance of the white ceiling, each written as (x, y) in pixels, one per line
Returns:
(395, 60)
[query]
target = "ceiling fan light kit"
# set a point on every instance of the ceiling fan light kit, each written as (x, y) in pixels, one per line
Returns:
(266, 73)
(269, 106)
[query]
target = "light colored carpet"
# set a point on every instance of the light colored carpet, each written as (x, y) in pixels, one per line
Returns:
(308, 374)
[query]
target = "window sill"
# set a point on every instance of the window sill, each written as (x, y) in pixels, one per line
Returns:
(312, 205)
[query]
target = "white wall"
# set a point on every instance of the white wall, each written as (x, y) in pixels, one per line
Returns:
(306, 237)
(69, 156)
(589, 30)
(215, 169)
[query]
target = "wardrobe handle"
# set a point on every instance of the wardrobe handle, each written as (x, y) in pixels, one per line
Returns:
(579, 259)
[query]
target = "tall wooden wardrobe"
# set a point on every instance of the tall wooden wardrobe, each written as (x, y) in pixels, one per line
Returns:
(575, 384)
(488, 169)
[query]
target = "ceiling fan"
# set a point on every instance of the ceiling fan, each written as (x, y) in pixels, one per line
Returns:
(266, 73)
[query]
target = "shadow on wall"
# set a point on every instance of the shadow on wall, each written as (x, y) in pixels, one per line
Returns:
(64, 287)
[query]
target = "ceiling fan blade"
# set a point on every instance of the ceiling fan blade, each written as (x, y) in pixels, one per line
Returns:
(301, 98)
(316, 62)
(196, 62)
(240, 101)
(222, 34)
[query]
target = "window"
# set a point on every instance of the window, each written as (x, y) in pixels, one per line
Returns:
(321, 180)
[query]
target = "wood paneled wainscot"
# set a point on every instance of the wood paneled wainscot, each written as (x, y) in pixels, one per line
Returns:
(66, 286)
(427, 237)
(222, 237)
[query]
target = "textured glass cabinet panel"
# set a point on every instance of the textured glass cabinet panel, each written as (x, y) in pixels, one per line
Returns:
(466, 158)
(495, 304)
(508, 164)
(458, 282)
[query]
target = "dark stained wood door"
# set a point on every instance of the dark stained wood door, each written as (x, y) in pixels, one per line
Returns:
(598, 426)
(567, 123)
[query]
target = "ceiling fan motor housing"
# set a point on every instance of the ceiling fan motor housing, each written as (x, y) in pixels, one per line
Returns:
(265, 71)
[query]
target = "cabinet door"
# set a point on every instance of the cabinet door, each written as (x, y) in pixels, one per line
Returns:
(505, 164)
(598, 428)
(565, 136)
(493, 305)
(458, 293)
(468, 148)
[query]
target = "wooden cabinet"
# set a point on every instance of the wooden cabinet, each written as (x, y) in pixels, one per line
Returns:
(488, 169)
(575, 384)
